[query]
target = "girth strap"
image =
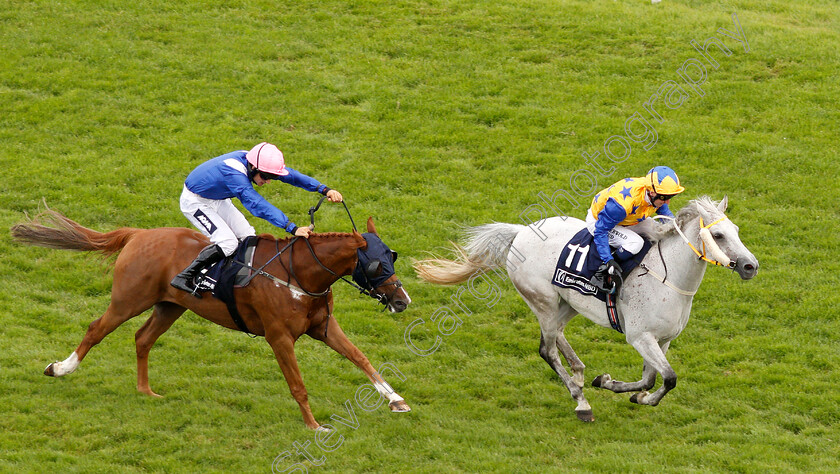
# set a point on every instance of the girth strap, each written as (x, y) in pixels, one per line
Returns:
(237, 318)
(612, 312)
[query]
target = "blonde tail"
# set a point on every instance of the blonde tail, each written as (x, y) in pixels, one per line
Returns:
(486, 248)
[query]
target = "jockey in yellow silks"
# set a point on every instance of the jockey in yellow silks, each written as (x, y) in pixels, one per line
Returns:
(623, 205)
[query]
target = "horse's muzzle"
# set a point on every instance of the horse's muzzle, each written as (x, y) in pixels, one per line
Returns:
(747, 268)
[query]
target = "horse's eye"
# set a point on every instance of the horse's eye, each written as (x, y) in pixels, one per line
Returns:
(717, 235)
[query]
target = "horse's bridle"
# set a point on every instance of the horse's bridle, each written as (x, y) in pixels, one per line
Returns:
(706, 239)
(370, 291)
(383, 298)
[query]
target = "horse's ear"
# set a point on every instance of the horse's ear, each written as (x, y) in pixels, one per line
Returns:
(723, 203)
(370, 226)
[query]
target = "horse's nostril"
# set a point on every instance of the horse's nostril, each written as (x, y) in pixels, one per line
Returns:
(749, 267)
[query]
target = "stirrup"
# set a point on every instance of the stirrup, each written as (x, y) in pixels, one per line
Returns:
(185, 286)
(602, 284)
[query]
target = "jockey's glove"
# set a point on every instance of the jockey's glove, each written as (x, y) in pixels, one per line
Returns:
(611, 268)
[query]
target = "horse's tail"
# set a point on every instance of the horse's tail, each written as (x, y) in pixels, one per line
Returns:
(52, 230)
(486, 248)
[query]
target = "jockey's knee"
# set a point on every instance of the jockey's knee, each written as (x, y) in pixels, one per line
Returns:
(623, 255)
(228, 246)
(633, 245)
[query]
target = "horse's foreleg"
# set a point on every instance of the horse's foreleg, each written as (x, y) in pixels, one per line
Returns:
(338, 341)
(647, 381)
(98, 329)
(68, 365)
(161, 320)
(283, 346)
(654, 356)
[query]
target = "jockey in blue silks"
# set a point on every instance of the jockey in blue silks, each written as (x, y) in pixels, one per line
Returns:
(206, 202)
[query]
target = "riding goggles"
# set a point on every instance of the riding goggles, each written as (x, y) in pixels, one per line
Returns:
(268, 176)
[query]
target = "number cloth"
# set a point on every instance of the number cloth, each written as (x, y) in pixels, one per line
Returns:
(578, 262)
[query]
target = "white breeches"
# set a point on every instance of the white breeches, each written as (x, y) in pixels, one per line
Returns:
(218, 219)
(621, 237)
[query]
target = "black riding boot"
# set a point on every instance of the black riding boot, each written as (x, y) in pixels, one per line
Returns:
(186, 279)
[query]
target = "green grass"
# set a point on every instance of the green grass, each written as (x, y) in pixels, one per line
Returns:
(429, 116)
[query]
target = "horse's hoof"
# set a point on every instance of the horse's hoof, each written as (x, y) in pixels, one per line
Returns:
(399, 406)
(601, 380)
(49, 370)
(149, 392)
(585, 415)
(323, 429)
(639, 397)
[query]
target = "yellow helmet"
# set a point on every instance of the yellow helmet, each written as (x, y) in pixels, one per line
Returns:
(663, 180)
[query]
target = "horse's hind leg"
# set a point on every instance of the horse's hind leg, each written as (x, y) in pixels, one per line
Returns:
(647, 381)
(161, 320)
(115, 315)
(553, 316)
(338, 341)
(565, 348)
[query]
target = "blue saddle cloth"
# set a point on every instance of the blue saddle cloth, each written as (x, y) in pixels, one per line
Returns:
(580, 260)
(230, 273)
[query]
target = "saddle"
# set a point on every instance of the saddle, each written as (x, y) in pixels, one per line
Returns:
(231, 272)
(579, 261)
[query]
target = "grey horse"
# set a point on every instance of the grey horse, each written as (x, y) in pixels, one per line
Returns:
(655, 300)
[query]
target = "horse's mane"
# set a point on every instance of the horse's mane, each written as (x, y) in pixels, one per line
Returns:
(692, 210)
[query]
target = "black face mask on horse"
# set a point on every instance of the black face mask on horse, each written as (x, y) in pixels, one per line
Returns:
(375, 267)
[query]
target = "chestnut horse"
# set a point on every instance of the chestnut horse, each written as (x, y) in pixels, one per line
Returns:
(149, 258)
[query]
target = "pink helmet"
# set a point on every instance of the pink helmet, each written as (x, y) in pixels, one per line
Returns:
(267, 158)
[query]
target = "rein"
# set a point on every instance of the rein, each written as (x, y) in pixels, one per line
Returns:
(381, 297)
(314, 209)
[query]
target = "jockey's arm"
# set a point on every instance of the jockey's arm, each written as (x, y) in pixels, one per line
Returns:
(664, 210)
(258, 206)
(608, 218)
(296, 178)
